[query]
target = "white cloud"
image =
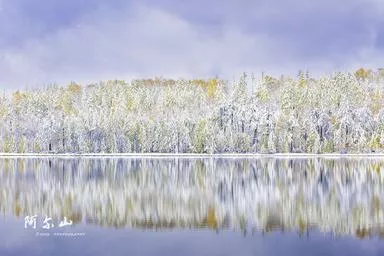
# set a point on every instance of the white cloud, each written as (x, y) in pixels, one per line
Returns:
(145, 41)
(149, 43)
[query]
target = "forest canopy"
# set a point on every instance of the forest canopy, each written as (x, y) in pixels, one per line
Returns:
(340, 113)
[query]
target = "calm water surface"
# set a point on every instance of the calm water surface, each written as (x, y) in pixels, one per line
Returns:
(186, 206)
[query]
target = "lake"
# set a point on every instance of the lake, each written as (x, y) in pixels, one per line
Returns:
(192, 206)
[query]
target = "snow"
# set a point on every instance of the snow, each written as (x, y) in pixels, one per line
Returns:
(336, 114)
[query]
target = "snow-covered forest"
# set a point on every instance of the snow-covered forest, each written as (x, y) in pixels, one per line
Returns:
(343, 112)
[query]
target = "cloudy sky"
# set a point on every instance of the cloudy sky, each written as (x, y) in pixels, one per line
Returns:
(90, 40)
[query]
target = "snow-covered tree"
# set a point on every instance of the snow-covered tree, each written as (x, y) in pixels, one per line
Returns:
(338, 113)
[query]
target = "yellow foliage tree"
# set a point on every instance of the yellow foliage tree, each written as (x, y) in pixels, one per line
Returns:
(212, 87)
(74, 88)
(362, 73)
(17, 97)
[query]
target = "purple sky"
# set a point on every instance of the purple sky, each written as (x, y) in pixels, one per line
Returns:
(89, 40)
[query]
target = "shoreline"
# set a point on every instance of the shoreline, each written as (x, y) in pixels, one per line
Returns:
(190, 155)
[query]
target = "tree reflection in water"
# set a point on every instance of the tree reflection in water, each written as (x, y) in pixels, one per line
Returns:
(342, 196)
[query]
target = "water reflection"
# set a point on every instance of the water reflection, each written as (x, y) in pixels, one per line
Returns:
(341, 196)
